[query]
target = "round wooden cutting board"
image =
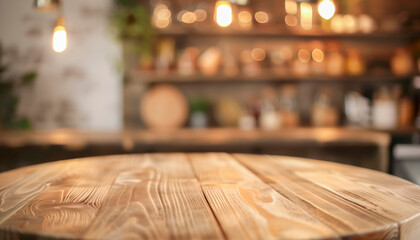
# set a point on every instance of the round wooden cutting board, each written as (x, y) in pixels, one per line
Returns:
(164, 107)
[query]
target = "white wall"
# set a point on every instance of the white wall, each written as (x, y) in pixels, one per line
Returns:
(79, 88)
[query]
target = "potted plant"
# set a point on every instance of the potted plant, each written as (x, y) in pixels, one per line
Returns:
(9, 99)
(133, 24)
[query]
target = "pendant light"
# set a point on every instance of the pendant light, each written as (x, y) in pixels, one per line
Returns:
(326, 9)
(223, 13)
(46, 5)
(59, 41)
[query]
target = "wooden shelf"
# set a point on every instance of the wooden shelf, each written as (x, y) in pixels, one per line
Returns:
(282, 32)
(265, 76)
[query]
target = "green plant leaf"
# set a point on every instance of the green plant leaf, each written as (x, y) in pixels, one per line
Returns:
(199, 104)
(5, 88)
(24, 124)
(3, 68)
(28, 78)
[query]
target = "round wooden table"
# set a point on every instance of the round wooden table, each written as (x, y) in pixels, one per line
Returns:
(205, 196)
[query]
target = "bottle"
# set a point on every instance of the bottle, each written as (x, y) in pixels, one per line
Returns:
(402, 62)
(300, 65)
(405, 112)
(210, 61)
(288, 107)
(324, 113)
(165, 58)
(335, 60)
(357, 109)
(247, 122)
(269, 117)
(384, 110)
(187, 62)
(318, 63)
(355, 64)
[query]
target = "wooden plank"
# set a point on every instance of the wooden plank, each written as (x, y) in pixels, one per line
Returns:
(410, 228)
(375, 191)
(11, 177)
(377, 197)
(17, 191)
(347, 218)
(247, 208)
(69, 202)
(158, 198)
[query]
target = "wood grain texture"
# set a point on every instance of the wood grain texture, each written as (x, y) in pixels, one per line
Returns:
(247, 208)
(158, 198)
(345, 217)
(205, 196)
(17, 192)
(67, 206)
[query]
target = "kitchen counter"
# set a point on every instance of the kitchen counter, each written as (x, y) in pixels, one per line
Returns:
(361, 147)
(211, 136)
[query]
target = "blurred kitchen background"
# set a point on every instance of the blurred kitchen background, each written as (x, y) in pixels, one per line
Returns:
(335, 80)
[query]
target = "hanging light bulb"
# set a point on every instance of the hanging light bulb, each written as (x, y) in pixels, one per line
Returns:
(223, 13)
(59, 41)
(326, 9)
(46, 5)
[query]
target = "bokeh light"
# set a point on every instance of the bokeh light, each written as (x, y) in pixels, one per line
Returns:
(304, 55)
(162, 16)
(326, 9)
(200, 15)
(223, 15)
(306, 15)
(258, 54)
(350, 23)
(245, 17)
(261, 17)
(189, 17)
(290, 20)
(290, 6)
(317, 55)
(59, 39)
(337, 24)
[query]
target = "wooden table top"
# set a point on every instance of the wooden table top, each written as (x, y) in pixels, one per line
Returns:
(205, 196)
